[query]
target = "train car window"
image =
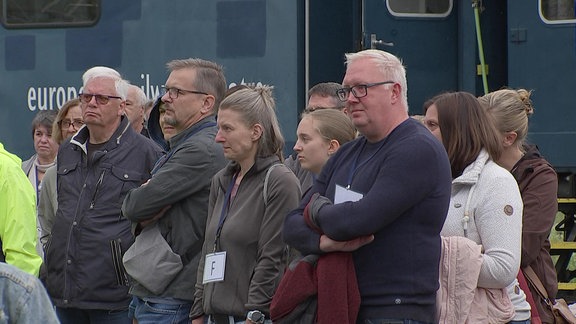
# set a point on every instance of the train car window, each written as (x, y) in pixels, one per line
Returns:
(419, 8)
(558, 11)
(56, 13)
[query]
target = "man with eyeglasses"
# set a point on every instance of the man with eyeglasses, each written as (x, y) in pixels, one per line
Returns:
(96, 168)
(323, 96)
(176, 197)
(382, 197)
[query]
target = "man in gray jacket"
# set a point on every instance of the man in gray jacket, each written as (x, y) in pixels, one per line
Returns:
(176, 197)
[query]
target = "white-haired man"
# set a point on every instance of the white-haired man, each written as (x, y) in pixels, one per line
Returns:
(96, 168)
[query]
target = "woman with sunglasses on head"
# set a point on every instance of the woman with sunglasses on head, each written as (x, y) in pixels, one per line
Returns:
(485, 204)
(538, 184)
(67, 123)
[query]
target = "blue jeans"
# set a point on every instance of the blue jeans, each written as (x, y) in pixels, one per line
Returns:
(146, 312)
(389, 321)
(92, 316)
(520, 322)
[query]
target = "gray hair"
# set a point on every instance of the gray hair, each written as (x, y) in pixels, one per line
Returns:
(120, 84)
(209, 77)
(140, 95)
(390, 66)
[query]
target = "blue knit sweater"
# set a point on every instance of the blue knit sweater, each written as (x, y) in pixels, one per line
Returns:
(405, 182)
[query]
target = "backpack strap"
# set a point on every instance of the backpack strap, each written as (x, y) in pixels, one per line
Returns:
(266, 178)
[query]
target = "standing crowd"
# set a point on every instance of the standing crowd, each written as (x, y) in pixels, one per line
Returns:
(191, 213)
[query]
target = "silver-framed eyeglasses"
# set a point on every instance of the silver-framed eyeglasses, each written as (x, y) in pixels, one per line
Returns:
(100, 98)
(359, 90)
(173, 93)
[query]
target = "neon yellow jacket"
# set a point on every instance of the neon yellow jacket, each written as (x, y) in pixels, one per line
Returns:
(18, 233)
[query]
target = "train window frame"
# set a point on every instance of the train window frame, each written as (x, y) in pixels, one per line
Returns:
(97, 4)
(554, 22)
(420, 15)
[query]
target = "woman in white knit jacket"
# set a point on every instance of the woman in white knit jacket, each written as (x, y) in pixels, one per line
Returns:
(485, 206)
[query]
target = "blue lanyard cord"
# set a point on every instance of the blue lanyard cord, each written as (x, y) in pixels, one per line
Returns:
(355, 166)
(162, 160)
(224, 212)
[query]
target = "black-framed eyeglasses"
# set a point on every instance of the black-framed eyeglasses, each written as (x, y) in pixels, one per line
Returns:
(100, 98)
(173, 93)
(359, 90)
(65, 123)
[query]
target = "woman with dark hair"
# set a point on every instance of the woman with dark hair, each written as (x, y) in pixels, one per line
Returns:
(485, 205)
(46, 148)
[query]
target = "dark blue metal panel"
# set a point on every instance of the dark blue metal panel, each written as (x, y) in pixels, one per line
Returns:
(20, 53)
(542, 58)
(241, 29)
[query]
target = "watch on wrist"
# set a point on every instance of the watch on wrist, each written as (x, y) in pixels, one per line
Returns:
(256, 316)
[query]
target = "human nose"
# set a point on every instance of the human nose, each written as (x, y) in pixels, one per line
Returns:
(166, 97)
(297, 146)
(219, 138)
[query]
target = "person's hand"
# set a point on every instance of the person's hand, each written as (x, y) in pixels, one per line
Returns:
(156, 217)
(198, 320)
(329, 245)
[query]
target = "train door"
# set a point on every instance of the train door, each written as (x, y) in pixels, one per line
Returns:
(424, 34)
(542, 57)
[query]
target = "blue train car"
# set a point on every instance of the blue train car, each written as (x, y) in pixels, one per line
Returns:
(46, 45)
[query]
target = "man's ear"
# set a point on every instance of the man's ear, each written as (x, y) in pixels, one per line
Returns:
(396, 92)
(122, 110)
(208, 105)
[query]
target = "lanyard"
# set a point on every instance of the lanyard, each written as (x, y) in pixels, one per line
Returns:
(224, 212)
(355, 166)
(161, 161)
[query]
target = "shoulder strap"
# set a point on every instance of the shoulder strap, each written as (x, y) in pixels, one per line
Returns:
(265, 191)
(536, 283)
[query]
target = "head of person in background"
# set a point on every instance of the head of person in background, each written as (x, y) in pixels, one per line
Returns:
(510, 109)
(320, 134)
(134, 109)
(459, 122)
(167, 130)
(44, 145)
(68, 121)
(323, 96)
(147, 109)
(45, 148)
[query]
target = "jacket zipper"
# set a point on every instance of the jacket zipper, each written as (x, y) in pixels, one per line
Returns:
(98, 185)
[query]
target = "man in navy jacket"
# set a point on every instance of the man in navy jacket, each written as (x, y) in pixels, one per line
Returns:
(383, 196)
(96, 169)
